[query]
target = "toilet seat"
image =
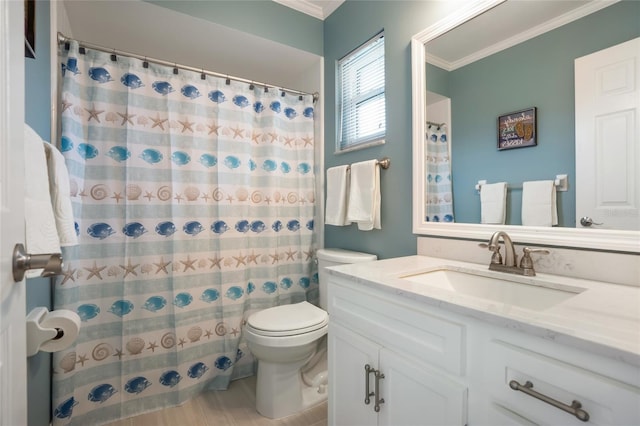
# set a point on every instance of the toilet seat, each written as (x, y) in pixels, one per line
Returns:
(288, 320)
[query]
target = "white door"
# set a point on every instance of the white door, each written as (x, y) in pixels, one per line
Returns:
(13, 371)
(608, 137)
(415, 394)
(348, 353)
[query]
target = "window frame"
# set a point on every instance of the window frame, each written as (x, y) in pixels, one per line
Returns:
(371, 96)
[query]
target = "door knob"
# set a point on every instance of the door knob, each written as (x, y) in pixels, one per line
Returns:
(23, 261)
(587, 221)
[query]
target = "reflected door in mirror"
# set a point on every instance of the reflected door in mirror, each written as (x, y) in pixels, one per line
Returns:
(607, 137)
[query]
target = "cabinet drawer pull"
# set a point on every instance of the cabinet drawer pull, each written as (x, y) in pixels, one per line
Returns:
(379, 400)
(575, 408)
(367, 370)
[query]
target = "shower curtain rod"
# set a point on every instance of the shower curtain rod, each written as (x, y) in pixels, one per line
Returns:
(431, 123)
(64, 39)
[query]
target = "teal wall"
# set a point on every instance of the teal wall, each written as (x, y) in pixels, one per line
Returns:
(437, 80)
(350, 25)
(38, 116)
(38, 76)
(355, 21)
(265, 19)
(540, 73)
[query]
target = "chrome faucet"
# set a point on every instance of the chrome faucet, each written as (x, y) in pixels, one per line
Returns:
(511, 258)
(510, 263)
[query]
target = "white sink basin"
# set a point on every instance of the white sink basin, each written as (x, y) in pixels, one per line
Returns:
(526, 292)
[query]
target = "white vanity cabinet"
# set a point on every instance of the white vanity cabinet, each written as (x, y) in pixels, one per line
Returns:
(417, 358)
(447, 368)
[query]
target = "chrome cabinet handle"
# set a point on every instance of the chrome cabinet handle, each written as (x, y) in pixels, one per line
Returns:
(379, 400)
(367, 394)
(587, 221)
(575, 408)
(23, 261)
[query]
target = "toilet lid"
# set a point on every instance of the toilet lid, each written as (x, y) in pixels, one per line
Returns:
(288, 319)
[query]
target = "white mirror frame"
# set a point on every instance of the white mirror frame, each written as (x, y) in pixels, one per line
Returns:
(600, 239)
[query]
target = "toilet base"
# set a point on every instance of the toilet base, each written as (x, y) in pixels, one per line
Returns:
(280, 391)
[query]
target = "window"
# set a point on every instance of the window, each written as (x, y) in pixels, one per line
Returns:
(362, 113)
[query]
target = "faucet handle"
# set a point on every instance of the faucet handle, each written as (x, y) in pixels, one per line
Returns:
(496, 257)
(527, 263)
(527, 250)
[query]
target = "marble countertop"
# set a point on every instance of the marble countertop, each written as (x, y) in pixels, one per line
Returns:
(603, 319)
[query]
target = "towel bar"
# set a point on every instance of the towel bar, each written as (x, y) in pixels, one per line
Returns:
(23, 261)
(561, 182)
(384, 163)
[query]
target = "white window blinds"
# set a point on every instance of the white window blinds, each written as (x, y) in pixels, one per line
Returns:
(362, 101)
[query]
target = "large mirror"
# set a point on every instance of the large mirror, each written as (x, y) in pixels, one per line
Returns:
(489, 62)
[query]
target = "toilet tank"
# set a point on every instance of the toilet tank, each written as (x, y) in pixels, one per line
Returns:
(333, 257)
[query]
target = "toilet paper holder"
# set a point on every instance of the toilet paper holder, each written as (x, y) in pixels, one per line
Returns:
(23, 261)
(36, 335)
(47, 337)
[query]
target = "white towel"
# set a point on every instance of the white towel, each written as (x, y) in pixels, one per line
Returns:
(60, 196)
(364, 195)
(40, 226)
(539, 203)
(493, 203)
(337, 196)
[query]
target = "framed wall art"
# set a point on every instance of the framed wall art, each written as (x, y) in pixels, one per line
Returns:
(517, 129)
(30, 28)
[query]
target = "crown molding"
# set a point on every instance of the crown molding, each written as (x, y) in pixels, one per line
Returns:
(557, 22)
(312, 8)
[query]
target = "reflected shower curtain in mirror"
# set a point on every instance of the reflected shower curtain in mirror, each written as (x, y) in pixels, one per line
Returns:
(439, 199)
(194, 204)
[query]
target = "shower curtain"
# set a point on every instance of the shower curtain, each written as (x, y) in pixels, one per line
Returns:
(439, 201)
(194, 204)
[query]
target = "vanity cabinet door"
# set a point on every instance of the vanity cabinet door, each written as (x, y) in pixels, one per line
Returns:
(416, 394)
(348, 353)
(410, 392)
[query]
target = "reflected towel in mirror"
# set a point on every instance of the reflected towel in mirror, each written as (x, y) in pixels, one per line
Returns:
(539, 203)
(493, 202)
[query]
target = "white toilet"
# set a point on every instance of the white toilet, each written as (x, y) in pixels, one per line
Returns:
(288, 342)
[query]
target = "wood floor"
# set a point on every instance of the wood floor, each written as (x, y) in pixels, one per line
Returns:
(233, 407)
